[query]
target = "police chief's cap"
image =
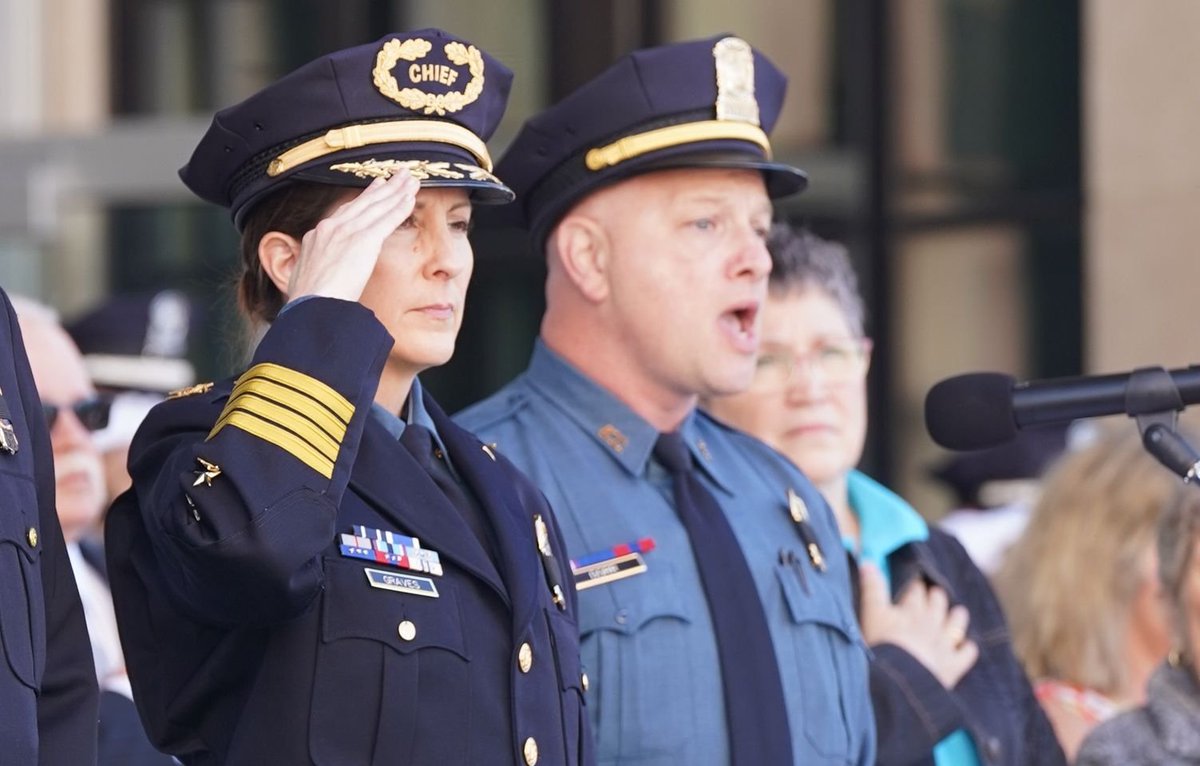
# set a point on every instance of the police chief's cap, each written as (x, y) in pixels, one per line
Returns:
(702, 103)
(424, 100)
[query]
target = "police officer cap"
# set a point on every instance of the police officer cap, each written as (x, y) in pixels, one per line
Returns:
(138, 341)
(702, 103)
(424, 100)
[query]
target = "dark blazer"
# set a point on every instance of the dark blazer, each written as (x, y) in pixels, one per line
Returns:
(251, 640)
(994, 700)
(48, 691)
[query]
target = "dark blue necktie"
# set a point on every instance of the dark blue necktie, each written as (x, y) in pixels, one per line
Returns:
(754, 704)
(419, 441)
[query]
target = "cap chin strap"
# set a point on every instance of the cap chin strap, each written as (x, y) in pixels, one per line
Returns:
(399, 131)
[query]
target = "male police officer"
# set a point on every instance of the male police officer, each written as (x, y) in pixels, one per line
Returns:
(48, 691)
(715, 610)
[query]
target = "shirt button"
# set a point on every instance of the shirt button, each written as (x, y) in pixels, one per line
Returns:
(992, 749)
(525, 657)
(531, 753)
(31, 536)
(622, 616)
(583, 680)
(407, 630)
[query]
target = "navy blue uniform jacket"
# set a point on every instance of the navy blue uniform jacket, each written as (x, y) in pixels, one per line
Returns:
(251, 640)
(48, 691)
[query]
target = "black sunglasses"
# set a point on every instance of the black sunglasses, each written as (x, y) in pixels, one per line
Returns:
(92, 412)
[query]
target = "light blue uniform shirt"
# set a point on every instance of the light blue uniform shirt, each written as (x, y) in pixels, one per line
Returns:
(414, 412)
(886, 523)
(647, 640)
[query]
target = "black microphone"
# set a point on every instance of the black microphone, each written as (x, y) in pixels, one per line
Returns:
(983, 409)
(1173, 451)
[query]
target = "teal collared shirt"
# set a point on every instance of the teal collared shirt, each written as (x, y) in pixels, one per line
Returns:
(887, 523)
(655, 696)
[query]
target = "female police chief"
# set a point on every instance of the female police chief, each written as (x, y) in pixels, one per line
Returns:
(314, 564)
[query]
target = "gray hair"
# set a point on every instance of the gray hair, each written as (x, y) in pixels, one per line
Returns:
(801, 259)
(1178, 533)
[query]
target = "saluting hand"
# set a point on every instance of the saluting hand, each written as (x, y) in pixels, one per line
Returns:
(921, 623)
(338, 256)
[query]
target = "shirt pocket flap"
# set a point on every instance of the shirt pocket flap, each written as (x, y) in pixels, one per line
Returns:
(629, 605)
(406, 622)
(817, 603)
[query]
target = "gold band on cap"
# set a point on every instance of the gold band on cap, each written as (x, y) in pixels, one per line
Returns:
(353, 136)
(674, 135)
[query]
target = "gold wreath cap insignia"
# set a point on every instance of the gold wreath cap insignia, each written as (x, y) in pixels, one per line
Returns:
(394, 51)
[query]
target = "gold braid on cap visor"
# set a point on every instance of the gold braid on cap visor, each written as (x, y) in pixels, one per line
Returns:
(674, 135)
(353, 136)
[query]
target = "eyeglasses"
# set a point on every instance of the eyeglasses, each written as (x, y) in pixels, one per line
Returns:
(92, 412)
(838, 362)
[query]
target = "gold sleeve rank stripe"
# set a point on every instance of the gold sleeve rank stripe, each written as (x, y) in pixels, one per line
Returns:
(272, 433)
(271, 391)
(290, 410)
(287, 418)
(304, 384)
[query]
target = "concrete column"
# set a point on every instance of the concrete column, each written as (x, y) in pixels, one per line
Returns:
(1142, 164)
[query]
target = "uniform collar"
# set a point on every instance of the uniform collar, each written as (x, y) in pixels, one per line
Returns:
(618, 430)
(414, 412)
(886, 522)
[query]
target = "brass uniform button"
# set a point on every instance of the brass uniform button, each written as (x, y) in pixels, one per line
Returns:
(531, 753)
(525, 657)
(583, 680)
(407, 630)
(31, 536)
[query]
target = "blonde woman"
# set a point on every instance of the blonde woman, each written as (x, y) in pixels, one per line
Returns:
(1079, 586)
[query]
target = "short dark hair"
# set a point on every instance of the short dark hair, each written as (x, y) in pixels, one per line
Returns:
(801, 259)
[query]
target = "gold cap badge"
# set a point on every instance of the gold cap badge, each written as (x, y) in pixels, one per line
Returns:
(416, 99)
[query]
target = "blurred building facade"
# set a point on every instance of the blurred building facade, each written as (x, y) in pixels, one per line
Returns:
(1012, 177)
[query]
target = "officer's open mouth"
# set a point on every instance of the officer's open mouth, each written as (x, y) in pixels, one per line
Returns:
(745, 316)
(740, 325)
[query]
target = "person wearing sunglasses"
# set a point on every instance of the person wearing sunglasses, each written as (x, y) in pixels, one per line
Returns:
(946, 687)
(73, 412)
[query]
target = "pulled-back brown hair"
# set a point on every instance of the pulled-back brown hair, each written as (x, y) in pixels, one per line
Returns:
(293, 210)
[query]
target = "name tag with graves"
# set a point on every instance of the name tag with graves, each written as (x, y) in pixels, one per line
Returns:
(401, 583)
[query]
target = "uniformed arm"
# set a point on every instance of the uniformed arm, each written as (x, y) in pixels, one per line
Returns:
(237, 516)
(239, 494)
(67, 701)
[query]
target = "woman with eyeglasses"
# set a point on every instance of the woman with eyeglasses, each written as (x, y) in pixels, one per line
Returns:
(945, 685)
